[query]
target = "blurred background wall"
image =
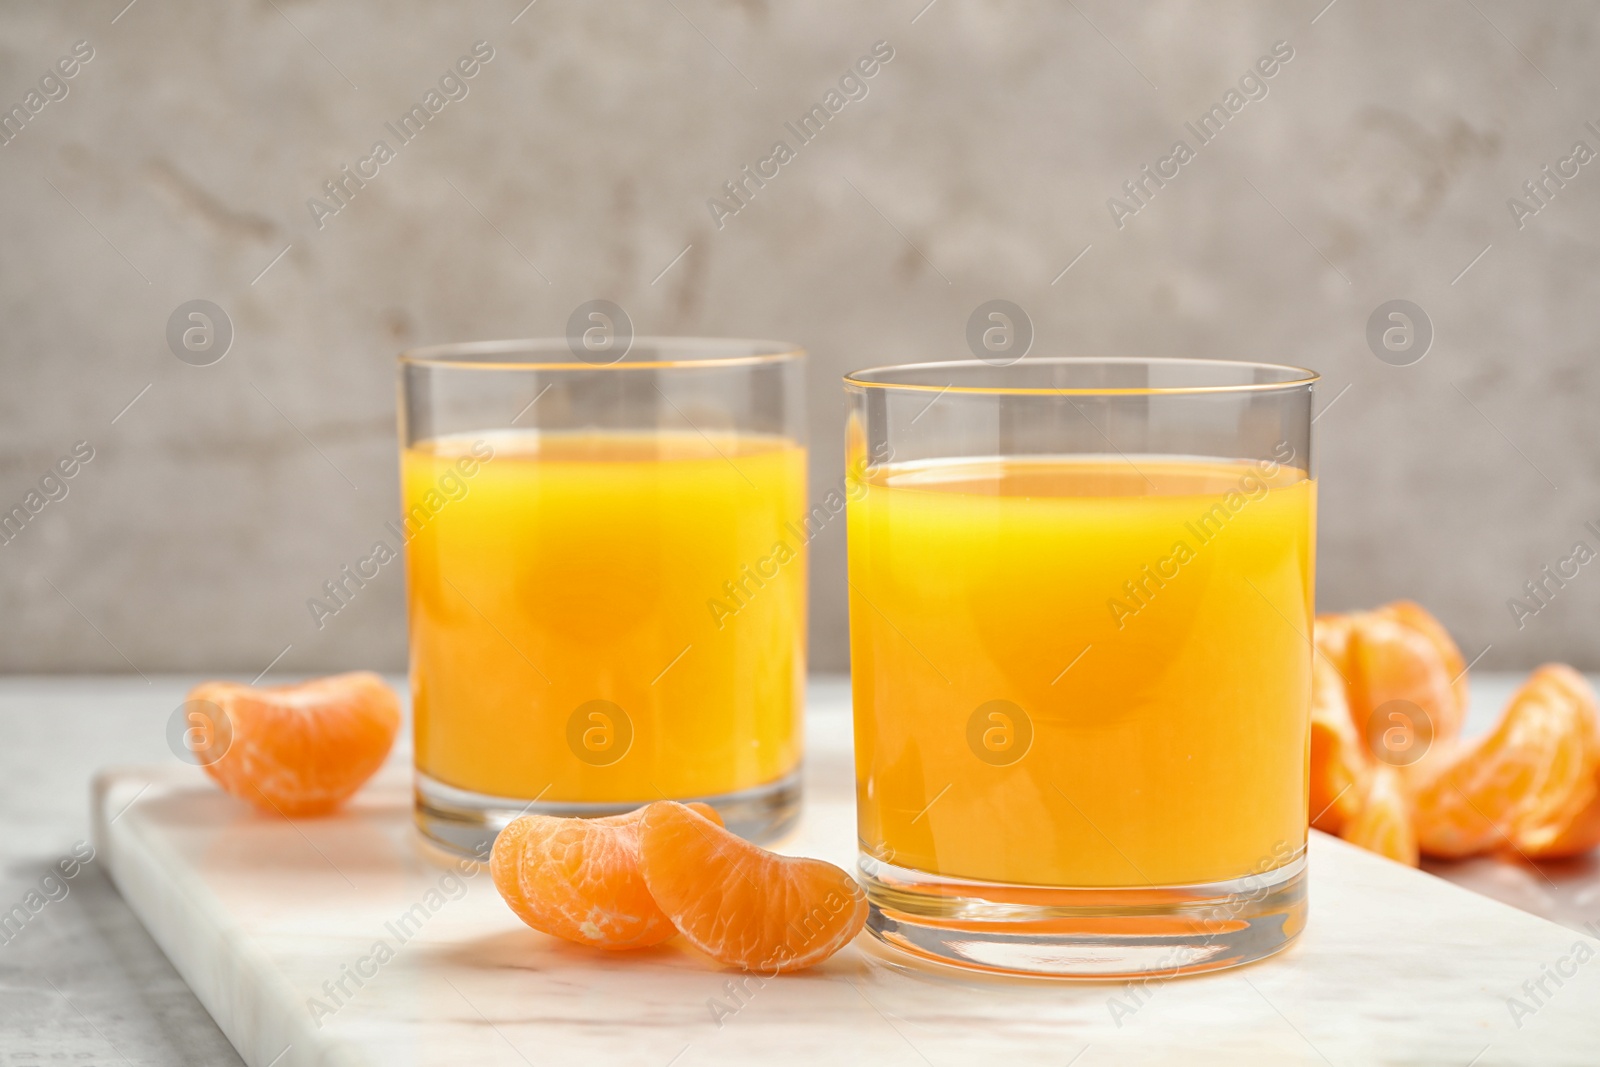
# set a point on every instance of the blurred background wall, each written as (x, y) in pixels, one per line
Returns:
(176, 164)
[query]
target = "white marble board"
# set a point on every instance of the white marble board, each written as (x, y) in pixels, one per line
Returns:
(256, 913)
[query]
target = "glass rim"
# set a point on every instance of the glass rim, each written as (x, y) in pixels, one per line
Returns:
(713, 352)
(1298, 377)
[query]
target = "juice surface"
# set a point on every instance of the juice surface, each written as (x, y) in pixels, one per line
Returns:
(1024, 716)
(606, 617)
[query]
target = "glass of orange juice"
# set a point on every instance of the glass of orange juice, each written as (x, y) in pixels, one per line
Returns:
(1081, 600)
(606, 571)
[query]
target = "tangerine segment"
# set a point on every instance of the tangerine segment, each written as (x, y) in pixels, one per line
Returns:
(741, 905)
(1397, 652)
(1581, 833)
(1571, 824)
(1415, 617)
(579, 880)
(298, 749)
(1383, 820)
(1331, 635)
(1338, 757)
(1523, 782)
(1389, 661)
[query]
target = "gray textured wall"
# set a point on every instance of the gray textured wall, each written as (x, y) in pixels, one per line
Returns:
(180, 161)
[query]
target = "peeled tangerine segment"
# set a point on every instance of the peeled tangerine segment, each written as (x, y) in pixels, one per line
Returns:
(1528, 784)
(296, 749)
(741, 905)
(1400, 653)
(1580, 834)
(1338, 760)
(1331, 635)
(1417, 619)
(1572, 825)
(579, 879)
(1382, 822)
(1387, 687)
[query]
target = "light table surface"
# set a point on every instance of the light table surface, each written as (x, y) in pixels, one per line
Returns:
(83, 982)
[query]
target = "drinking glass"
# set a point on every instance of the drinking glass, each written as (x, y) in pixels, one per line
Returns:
(606, 582)
(1081, 600)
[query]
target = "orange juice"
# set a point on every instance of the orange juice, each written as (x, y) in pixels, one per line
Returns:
(606, 617)
(1080, 673)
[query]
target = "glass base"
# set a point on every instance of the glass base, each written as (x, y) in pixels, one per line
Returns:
(466, 823)
(1085, 933)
